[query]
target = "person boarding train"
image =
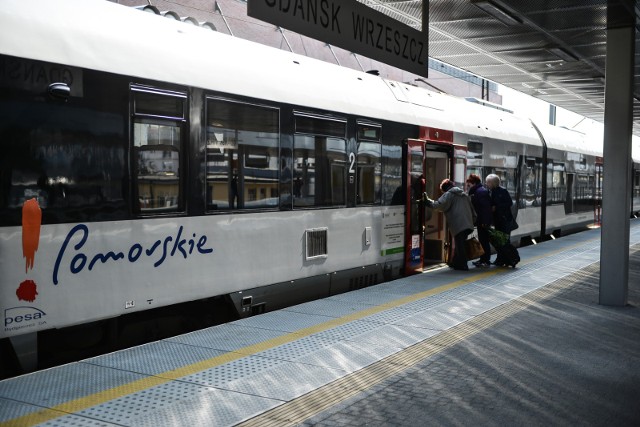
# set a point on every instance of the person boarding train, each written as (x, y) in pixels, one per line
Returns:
(460, 216)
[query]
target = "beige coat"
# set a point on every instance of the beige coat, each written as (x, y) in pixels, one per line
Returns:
(457, 208)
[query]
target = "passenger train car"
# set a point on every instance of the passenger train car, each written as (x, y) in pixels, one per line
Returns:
(158, 177)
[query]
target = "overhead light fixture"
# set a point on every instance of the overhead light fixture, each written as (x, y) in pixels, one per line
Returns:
(497, 11)
(562, 53)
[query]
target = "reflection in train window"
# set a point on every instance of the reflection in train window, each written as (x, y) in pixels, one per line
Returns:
(369, 179)
(158, 134)
(319, 163)
(556, 183)
(242, 155)
(532, 177)
(157, 148)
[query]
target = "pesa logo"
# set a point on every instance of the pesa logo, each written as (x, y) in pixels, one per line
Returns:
(22, 316)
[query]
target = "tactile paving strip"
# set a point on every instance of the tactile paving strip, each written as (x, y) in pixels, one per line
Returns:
(155, 358)
(177, 403)
(327, 307)
(220, 376)
(52, 387)
(229, 337)
(125, 409)
(285, 381)
(284, 321)
(348, 356)
(297, 349)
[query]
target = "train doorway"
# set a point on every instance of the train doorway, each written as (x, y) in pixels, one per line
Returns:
(415, 186)
(436, 237)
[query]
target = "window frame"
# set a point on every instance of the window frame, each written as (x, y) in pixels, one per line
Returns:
(242, 157)
(159, 119)
(330, 173)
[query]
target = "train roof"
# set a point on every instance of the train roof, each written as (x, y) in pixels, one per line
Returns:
(564, 139)
(104, 36)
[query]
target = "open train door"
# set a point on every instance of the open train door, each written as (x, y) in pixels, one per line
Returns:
(438, 167)
(414, 231)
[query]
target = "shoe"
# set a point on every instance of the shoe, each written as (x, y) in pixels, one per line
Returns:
(480, 264)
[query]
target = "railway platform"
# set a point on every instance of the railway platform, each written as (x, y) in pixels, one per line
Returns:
(524, 346)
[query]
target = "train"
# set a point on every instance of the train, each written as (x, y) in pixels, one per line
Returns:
(158, 177)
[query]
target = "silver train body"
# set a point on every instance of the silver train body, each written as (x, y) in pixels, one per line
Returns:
(173, 164)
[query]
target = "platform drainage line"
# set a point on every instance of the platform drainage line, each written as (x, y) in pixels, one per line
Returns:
(300, 409)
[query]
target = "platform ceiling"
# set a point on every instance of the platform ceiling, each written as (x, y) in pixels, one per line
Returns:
(522, 52)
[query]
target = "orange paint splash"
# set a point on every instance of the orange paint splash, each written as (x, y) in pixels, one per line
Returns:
(31, 220)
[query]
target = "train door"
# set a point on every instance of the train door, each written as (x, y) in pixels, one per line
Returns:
(436, 239)
(414, 232)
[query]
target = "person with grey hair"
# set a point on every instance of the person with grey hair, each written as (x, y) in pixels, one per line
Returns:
(501, 206)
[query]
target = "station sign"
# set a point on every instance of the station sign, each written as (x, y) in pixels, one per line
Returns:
(352, 26)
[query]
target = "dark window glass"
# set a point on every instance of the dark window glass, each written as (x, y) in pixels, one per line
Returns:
(319, 171)
(556, 183)
(369, 164)
(158, 104)
(242, 155)
(319, 162)
(369, 133)
(157, 149)
(392, 189)
(507, 179)
(474, 150)
(322, 127)
(68, 157)
(532, 175)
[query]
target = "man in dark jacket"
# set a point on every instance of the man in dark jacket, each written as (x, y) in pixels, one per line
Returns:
(481, 201)
(501, 205)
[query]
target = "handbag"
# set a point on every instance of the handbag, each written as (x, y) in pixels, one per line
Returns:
(473, 248)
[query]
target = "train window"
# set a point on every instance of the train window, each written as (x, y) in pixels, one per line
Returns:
(158, 138)
(319, 163)
(393, 192)
(532, 176)
(69, 158)
(369, 132)
(242, 155)
(157, 147)
(150, 102)
(320, 126)
(556, 181)
(369, 164)
(474, 150)
(507, 179)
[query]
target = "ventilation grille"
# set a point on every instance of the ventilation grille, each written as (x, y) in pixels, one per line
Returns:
(316, 243)
(363, 281)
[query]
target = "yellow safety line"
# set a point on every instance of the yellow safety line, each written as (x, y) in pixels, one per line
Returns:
(98, 398)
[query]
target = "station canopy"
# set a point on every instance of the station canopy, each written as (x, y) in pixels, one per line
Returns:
(554, 50)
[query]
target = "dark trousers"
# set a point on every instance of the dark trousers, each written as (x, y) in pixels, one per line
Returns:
(483, 238)
(459, 251)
